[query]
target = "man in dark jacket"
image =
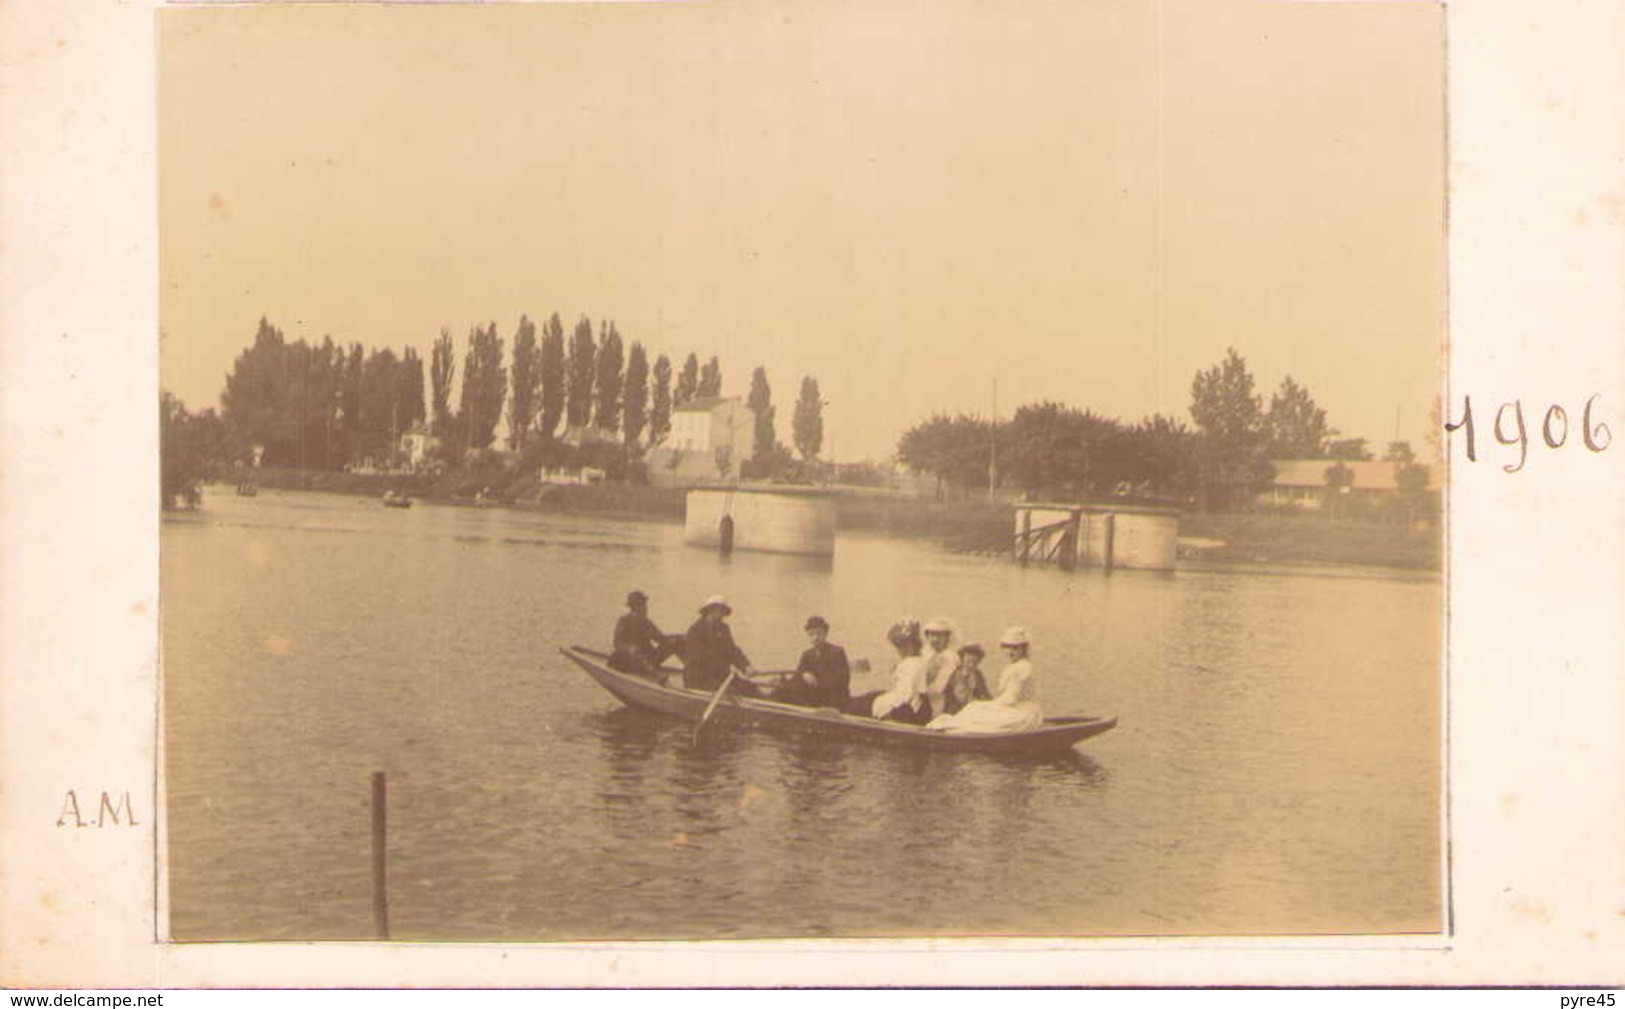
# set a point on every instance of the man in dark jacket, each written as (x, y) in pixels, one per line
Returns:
(639, 645)
(709, 650)
(822, 677)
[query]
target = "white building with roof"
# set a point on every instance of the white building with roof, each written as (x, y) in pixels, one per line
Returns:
(705, 433)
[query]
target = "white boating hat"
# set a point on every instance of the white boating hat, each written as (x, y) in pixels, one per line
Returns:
(938, 625)
(717, 601)
(1015, 636)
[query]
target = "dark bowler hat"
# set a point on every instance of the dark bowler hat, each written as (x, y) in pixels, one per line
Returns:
(973, 649)
(635, 597)
(816, 621)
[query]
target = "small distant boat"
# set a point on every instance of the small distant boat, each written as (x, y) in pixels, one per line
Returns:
(394, 500)
(1056, 735)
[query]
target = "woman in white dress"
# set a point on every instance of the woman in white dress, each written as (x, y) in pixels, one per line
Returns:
(905, 700)
(1014, 707)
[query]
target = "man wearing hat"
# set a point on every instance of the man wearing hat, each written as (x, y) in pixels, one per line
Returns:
(709, 650)
(822, 678)
(639, 645)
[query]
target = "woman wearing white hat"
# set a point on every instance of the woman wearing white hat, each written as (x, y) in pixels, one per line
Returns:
(1014, 707)
(709, 650)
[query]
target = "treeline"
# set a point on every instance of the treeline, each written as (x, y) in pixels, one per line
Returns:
(585, 399)
(1053, 450)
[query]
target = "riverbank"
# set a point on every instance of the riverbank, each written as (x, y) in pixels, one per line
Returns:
(968, 526)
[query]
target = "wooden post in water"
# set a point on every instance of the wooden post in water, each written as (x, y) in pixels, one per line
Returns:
(380, 869)
(1110, 549)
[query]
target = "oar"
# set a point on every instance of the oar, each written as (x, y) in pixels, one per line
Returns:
(716, 699)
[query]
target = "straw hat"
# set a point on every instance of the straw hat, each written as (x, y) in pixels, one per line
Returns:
(938, 625)
(717, 601)
(1015, 636)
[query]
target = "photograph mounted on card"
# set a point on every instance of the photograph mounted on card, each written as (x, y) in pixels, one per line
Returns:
(823, 470)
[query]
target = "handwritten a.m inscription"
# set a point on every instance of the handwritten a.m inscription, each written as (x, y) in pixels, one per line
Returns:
(107, 812)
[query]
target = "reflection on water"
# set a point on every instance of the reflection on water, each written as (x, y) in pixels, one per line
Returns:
(1275, 768)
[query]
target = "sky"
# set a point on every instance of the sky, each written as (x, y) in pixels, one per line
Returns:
(911, 202)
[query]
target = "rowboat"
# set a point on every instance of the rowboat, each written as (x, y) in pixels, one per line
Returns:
(1054, 736)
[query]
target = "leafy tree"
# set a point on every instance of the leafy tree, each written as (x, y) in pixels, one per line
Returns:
(760, 402)
(660, 400)
(1401, 452)
(442, 369)
(1159, 458)
(1348, 450)
(526, 377)
(257, 400)
(1056, 450)
(1295, 428)
(484, 387)
(1339, 478)
(1230, 417)
(1412, 481)
(552, 376)
(635, 396)
(955, 449)
(807, 424)
(607, 381)
(189, 448)
(578, 399)
(688, 383)
(710, 379)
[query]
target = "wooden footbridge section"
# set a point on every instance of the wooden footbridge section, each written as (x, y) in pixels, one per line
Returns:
(1096, 535)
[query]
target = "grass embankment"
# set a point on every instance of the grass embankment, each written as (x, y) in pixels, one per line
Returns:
(614, 500)
(1312, 539)
(966, 525)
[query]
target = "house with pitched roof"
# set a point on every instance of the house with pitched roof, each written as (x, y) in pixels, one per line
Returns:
(709, 437)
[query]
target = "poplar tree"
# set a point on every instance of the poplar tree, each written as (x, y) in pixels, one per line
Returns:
(660, 400)
(526, 380)
(607, 383)
(578, 388)
(688, 382)
(807, 424)
(635, 396)
(552, 376)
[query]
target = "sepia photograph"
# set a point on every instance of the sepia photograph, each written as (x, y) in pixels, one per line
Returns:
(648, 495)
(802, 470)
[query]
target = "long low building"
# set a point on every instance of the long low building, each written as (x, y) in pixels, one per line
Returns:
(1303, 483)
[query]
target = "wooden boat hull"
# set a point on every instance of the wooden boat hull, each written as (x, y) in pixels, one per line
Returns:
(1056, 735)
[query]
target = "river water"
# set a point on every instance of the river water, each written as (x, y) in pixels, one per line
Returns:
(1276, 769)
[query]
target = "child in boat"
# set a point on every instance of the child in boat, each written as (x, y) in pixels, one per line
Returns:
(905, 700)
(967, 683)
(1014, 707)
